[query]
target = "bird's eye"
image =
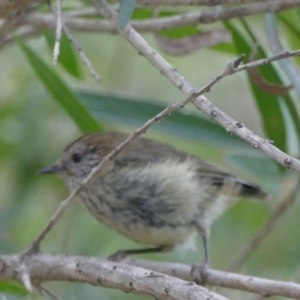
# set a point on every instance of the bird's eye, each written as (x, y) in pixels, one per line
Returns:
(76, 157)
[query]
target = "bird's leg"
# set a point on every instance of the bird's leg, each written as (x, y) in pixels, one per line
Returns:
(199, 270)
(206, 250)
(119, 255)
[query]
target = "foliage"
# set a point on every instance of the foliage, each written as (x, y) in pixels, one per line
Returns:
(34, 129)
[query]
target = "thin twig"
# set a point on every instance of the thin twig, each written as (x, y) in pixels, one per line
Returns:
(82, 55)
(75, 44)
(58, 31)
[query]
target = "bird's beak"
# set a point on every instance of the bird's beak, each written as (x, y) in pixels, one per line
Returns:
(55, 169)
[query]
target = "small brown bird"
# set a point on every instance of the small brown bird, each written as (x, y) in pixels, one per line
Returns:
(151, 193)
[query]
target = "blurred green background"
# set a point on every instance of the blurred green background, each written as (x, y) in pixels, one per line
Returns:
(34, 129)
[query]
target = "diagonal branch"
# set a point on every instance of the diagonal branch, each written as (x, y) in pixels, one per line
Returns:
(201, 103)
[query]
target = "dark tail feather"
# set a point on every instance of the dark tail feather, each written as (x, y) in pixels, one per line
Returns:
(251, 190)
(248, 189)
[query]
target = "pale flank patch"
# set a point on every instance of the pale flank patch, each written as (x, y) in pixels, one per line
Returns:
(189, 245)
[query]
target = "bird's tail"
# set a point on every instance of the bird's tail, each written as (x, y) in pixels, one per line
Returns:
(251, 190)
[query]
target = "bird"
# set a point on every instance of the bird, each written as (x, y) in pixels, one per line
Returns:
(151, 193)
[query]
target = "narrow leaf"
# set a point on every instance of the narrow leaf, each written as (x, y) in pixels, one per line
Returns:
(61, 93)
(268, 105)
(68, 59)
(270, 73)
(126, 11)
(260, 167)
(129, 112)
(12, 288)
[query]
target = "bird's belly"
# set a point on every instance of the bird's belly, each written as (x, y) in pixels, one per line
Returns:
(141, 232)
(142, 229)
(165, 235)
(156, 204)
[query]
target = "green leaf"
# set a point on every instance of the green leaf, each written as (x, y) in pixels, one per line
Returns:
(261, 167)
(67, 57)
(61, 93)
(12, 288)
(144, 13)
(225, 48)
(126, 11)
(270, 73)
(268, 104)
(291, 20)
(141, 14)
(128, 112)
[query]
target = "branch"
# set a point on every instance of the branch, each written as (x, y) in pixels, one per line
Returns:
(81, 54)
(265, 287)
(191, 2)
(99, 272)
(158, 24)
(202, 103)
(167, 281)
(58, 31)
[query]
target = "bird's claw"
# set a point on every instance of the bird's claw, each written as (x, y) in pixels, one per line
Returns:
(118, 256)
(199, 272)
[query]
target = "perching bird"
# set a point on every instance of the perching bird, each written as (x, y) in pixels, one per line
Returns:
(151, 193)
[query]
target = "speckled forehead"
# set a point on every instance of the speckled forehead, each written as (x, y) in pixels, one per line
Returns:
(88, 139)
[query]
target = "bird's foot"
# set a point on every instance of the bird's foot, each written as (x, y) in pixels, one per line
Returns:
(34, 249)
(118, 256)
(199, 272)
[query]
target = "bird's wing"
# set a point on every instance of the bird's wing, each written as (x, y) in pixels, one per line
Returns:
(143, 151)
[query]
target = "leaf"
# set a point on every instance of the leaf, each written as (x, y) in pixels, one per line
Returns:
(180, 32)
(61, 93)
(128, 112)
(141, 14)
(12, 288)
(225, 48)
(269, 108)
(67, 58)
(290, 19)
(261, 167)
(270, 73)
(145, 13)
(126, 11)
(287, 65)
(269, 88)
